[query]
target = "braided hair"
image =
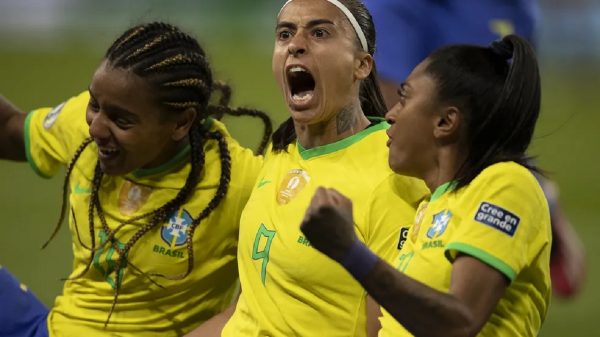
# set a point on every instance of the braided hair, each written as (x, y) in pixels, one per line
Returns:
(175, 65)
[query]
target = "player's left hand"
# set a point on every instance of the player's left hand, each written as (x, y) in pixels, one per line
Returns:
(328, 223)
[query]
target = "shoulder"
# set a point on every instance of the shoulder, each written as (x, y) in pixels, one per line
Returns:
(244, 163)
(506, 173)
(509, 183)
(236, 150)
(74, 106)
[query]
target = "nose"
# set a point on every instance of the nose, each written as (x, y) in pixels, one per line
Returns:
(297, 45)
(389, 116)
(98, 126)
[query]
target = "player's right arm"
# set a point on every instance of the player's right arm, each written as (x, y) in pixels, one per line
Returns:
(12, 141)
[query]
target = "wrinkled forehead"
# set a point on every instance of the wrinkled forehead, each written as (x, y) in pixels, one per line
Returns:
(303, 11)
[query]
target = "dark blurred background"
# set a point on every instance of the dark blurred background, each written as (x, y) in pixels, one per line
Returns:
(49, 50)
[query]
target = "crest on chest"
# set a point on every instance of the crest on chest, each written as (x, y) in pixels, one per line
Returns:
(291, 185)
(132, 197)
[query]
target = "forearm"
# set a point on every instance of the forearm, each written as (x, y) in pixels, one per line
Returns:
(12, 144)
(420, 309)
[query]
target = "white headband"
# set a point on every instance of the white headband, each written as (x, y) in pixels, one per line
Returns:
(351, 18)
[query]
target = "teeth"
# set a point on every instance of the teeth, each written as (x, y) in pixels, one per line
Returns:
(297, 69)
(108, 151)
(303, 96)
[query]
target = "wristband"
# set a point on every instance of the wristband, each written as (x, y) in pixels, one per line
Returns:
(359, 261)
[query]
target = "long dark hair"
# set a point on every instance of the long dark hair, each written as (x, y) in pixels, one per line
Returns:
(175, 65)
(371, 98)
(498, 91)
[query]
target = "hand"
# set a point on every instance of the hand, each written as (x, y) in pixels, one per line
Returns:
(328, 223)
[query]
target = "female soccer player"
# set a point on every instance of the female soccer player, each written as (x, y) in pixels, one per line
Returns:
(155, 187)
(323, 63)
(427, 25)
(476, 261)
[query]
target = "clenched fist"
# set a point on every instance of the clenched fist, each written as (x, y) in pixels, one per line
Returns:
(328, 223)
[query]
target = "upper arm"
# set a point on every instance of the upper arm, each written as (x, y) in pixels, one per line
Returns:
(12, 140)
(478, 286)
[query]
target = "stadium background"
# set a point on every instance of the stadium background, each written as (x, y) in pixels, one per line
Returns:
(50, 48)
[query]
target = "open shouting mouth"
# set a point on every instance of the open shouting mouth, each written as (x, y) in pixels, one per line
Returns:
(301, 86)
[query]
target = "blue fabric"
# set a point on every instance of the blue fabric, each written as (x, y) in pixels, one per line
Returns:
(21, 313)
(409, 30)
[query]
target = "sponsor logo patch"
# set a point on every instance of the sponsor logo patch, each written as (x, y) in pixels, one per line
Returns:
(403, 237)
(498, 218)
(53, 115)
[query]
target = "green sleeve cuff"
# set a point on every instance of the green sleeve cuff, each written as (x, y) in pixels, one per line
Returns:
(484, 256)
(30, 160)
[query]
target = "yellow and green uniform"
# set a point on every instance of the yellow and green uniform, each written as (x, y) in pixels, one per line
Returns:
(52, 136)
(500, 218)
(288, 287)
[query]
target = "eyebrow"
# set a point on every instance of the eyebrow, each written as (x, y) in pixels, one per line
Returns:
(310, 24)
(113, 109)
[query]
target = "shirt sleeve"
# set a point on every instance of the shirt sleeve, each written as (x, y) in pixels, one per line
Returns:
(52, 135)
(391, 213)
(503, 213)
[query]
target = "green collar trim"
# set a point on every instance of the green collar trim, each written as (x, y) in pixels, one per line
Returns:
(208, 124)
(344, 143)
(175, 161)
(447, 187)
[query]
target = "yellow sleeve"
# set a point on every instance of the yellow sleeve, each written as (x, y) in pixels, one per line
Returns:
(391, 213)
(52, 135)
(505, 219)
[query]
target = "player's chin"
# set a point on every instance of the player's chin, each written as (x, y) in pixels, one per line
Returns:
(395, 164)
(113, 169)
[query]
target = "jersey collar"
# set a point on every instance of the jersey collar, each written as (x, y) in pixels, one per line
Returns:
(344, 143)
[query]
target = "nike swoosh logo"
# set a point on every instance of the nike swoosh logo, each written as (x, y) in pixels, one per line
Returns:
(262, 183)
(81, 190)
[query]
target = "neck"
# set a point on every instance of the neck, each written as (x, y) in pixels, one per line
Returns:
(347, 122)
(447, 162)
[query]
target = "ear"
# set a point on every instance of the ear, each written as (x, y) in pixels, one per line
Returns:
(364, 65)
(183, 124)
(447, 124)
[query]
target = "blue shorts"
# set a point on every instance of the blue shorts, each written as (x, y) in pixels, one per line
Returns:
(21, 313)
(408, 30)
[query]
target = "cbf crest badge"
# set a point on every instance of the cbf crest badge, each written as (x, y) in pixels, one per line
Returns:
(439, 225)
(174, 233)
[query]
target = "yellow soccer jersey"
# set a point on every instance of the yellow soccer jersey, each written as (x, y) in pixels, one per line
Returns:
(288, 287)
(143, 308)
(501, 218)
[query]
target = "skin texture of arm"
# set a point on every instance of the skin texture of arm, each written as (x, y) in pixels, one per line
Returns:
(475, 288)
(214, 326)
(12, 121)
